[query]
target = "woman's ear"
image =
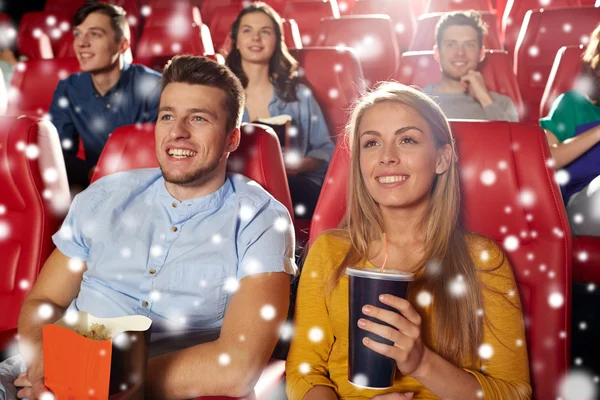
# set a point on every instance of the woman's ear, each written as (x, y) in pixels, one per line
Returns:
(444, 159)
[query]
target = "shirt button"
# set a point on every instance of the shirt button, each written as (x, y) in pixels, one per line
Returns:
(174, 229)
(144, 303)
(174, 204)
(152, 271)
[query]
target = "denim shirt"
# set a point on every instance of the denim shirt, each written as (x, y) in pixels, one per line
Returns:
(79, 111)
(178, 263)
(313, 138)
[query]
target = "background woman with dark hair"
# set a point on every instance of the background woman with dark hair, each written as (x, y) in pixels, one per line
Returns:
(573, 132)
(269, 74)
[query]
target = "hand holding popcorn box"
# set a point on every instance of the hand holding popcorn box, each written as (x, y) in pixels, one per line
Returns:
(93, 358)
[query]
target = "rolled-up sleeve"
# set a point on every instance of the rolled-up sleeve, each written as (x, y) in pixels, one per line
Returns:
(307, 361)
(266, 239)
(505, 374)
(70, 239)
(320, 145)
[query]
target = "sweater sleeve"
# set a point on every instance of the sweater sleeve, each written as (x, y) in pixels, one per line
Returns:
(502, 109)
(503, 368)
(307, 361)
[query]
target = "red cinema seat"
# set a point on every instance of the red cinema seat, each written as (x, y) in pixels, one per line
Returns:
(165, 17)
(53, 24)
(458, 5)
(335, 77)
(35, 45)
(291, 32)
(209, 7)
(168, 3)
(424, 38)
(371, 37)
(563, 75)
(543, 33)
(68, 6)
(220, 25)
(400, 13)
(308, 14)
(158, 63)
(419, 68)
(33, 83)
(3, 96)
(258, 157)
(514, 14)
(161, 41)
(516, 155)
(33, 201)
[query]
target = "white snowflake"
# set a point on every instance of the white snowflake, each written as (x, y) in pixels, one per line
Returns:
(556, 300)
(32, 151)
(334, 93)
(242, 338)
(24, 284)
(534, 51)
(338, 67)
(281, 224)
(156, 250)
(519, 342)
(562, 335)
(293, 131)
(458, 286)
(583, 325)
(577, 385)
(122, 341)
(527, 198)
(591, 287)
(360, 380)
(75, 264)
(315, 334)
(267, 312)
(65, 26)
(216, 239)
(511, 243)
(224, 359)
(304, 368)
(486, 351)
(125, 252)
(562, 177)
(508, 209)
(65, 232)
(536, 76)
(71, 317)
(246, 212)
(286, 331)
(488, 177)
(292, 158)
(300, 209)
(582, 256)
(50, 175)
(47, 396)
(56, 33)
(231, 284)
(399, 28)
(4, 230)
(132, 20)
(155, 295)
(542, 267)
(45, 311)
(306, 40)
(578, 218)
(2, 209)
(423, 299)
(176, 47)
(146, 11)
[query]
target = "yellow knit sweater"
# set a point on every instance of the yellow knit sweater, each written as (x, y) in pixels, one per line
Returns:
(503, 376)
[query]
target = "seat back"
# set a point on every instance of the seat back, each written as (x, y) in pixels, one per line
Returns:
(400, 13)
(543, 33)
(563, 76)
(522, 205)
(372, 38)
(220, 24)
(33, 83)
(514, 14)
(169, 41)
(35, 45)
(308, 14)
(258, 157)
(455, 5)
(336, 86)
(165, 17)
(419, 68)
(33, 201)
(67, 6)
(424, 38)
(53, 24)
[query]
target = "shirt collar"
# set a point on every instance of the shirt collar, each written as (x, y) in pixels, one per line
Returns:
(89, 91)
(212, 201)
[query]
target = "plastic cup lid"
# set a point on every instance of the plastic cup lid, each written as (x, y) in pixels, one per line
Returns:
(376, 273)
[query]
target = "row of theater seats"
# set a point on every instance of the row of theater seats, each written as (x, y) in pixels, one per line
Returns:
(514, 153)
(375, 38)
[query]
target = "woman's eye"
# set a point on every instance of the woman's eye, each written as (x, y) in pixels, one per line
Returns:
(407, 140)
(369, 143)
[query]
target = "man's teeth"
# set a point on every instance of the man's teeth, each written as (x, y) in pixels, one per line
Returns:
(181, 153)
(392, 179)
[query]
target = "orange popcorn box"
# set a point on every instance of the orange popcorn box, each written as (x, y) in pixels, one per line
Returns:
(93, 358)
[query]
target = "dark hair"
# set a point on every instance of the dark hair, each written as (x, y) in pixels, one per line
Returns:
(591, 64)
(283, 68)
(198, 70)
(470, 18)
(118, 19)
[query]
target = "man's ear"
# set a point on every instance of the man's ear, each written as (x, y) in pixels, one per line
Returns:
(444, 159)
(124, 46)
(436, 53)
(482, 54)
(233, 140)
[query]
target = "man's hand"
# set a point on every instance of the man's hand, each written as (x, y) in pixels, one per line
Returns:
(30, 391)
(474, 85)
(394, 396)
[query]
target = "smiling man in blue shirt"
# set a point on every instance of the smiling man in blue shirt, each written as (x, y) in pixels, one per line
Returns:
(207, 256)
(109, 93)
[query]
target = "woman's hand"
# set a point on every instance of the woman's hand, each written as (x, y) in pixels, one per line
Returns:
(394, 396)
(408, 349)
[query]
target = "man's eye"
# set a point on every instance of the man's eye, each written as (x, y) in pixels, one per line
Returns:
(198, 119)
(167, 117)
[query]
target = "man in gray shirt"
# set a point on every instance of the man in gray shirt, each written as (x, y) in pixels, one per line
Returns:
(462, 92)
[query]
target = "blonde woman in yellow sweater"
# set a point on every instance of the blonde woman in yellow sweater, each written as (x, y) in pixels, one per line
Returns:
(461, 333)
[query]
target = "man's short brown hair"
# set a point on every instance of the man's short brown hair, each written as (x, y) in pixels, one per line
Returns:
(470, 18)
(197, 70)
(118, 17)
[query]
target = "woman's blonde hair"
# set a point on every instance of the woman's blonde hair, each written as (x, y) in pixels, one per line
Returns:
(458, 329)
